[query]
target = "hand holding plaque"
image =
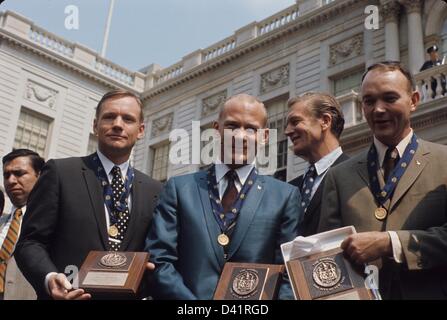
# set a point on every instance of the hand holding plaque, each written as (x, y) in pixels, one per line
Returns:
(112, 275)
(318, 268)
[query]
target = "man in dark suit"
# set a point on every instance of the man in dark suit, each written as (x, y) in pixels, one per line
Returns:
(228, 213)
(98, 202)
(394, 193)
(314, 125)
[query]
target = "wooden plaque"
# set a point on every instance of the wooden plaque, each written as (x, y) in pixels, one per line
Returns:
(106, 274)
(249, 281)
(327, 276)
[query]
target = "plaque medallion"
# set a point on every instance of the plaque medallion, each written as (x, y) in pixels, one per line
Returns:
(246, 282)
(326, 273)
(113, 260)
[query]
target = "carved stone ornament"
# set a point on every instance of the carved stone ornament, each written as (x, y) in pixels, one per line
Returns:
(412, 5)
(346, 49)
(38, 93)
(162, 125)
(275, 79)
(212, 103)
(390, 11)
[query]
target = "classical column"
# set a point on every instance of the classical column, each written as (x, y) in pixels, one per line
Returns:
(415, 36)
(390, 13)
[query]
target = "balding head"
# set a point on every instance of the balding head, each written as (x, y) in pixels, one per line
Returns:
(244, 101)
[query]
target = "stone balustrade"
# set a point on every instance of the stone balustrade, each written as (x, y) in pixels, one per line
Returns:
(431, 83)
(17, 27)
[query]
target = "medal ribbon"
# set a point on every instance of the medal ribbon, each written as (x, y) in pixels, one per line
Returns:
(382, 195)
(226, 219)
(113, 208)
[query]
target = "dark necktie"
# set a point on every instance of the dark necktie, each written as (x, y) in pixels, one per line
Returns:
(121, 218)
(231, 192)
(390, 161)
(306, 188)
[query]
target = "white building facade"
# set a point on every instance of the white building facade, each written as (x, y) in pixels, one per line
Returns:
(49, 87)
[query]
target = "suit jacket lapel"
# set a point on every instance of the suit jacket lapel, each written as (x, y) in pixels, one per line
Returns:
(137, 207)
(210, 220)
(96, 197)
(247, 214)
(414, 169)
(362, 169)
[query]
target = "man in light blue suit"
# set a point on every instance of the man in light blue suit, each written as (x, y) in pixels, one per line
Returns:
(228, 213)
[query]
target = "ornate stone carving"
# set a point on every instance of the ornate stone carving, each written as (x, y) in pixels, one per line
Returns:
(346, 49)
(275, 79)
(41, 94)
(212, 103)
(390, 11)
(412, 5)
(162, 125)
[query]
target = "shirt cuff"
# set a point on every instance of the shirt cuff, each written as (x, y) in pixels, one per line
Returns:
(398, 254)
(47, 279)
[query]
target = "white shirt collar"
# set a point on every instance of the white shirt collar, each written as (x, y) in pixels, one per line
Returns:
(242, 172)
(108, 165)
(326, 162)
(14, 208)
(381, 148)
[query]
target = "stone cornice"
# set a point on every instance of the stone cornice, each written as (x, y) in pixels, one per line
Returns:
(308, 20)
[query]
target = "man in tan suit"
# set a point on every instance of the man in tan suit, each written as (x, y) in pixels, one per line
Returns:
(394, 194)
(21, 169)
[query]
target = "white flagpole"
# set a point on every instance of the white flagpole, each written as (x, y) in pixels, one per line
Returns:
(106, 33)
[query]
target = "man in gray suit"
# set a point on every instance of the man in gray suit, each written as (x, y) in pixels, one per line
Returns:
(394, 193)
(21, 169)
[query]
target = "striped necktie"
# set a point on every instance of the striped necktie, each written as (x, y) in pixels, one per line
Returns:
(8, 246)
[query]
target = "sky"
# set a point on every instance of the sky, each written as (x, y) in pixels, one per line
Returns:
(147, 31)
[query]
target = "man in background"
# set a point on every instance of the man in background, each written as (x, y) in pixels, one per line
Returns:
(21, 169)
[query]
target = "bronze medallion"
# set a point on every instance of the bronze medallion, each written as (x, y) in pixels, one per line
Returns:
(113, 231)
(223, 239)
(380, 213)
(245, 282)
(326, 273)
(113, 260)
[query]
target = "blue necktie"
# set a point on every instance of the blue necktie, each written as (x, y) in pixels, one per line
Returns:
(306, 189)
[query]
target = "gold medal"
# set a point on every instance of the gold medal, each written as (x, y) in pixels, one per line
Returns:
(380, 213)
(113, 231)
(223, 239)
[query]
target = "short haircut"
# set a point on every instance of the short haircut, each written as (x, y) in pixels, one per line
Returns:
(119, 93)
(319, 103)
(37, 161)
(2, 201)
(245, 98)
(393, 66)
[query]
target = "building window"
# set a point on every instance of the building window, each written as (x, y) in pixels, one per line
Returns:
(160, 163)
(346, 83)
(92, 144)
(277, 114)
(32, 132)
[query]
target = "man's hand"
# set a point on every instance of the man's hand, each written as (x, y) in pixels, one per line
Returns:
(61, 289)
(150, 266)
(365, 247)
